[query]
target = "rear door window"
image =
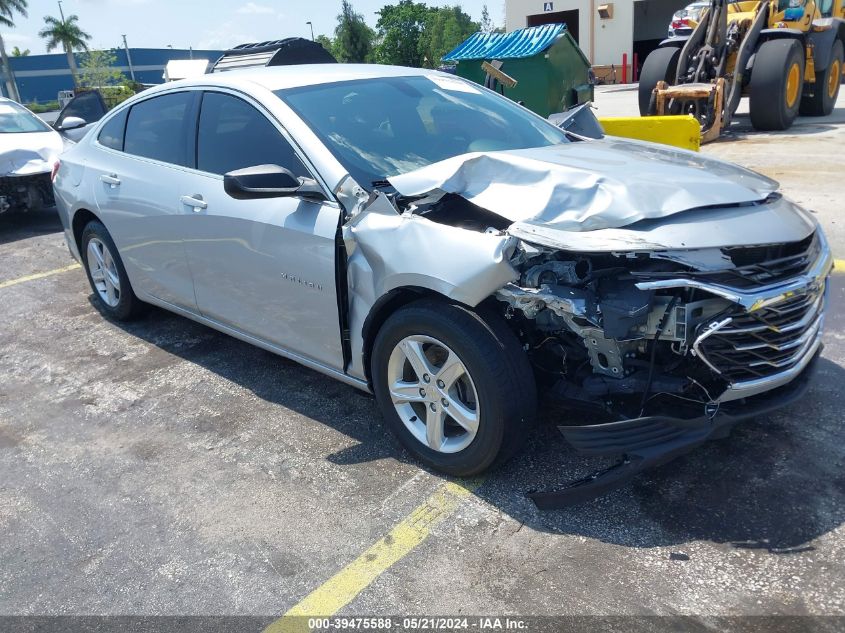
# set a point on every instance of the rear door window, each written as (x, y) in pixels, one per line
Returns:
(157, 128)
(232, 135)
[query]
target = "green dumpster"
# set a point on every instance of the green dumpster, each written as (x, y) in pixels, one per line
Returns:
(551, 72)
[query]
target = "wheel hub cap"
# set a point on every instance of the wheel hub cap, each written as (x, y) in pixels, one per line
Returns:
(433, 394)
(793, 81)
(834, 79)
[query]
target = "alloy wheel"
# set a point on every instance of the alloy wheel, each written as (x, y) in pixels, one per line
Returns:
(103, 272)
(433, 393)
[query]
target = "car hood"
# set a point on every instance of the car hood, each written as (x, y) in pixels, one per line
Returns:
(29, 153)
(587, 186)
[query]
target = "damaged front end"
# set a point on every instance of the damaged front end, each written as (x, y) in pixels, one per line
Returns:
(660, 355)
(27, 193)
(629, 275)
(25, 178)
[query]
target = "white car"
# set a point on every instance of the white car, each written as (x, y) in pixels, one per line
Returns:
(29, 151)
(685, 20)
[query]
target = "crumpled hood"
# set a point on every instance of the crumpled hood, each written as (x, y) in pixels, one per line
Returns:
(29, 153)
(586, 186)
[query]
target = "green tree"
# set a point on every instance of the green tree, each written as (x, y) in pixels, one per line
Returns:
(98, 70)
(445, 28)
(67, 35)
(486, 22)
(326, 42)
(8, 9)
(16, 52)
(400, 27)
(353, 39)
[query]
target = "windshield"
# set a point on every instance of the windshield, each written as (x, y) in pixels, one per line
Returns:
(378, 128)
(15, 119)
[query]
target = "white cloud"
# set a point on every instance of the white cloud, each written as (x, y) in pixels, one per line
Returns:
(224, 37)
(12, 38)
(251, 8)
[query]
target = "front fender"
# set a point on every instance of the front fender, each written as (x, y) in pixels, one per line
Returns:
(674, 42)
(822, 43)
(387, 251)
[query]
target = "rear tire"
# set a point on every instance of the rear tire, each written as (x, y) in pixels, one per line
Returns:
(826, 90)
(777, 81)
(113, 293)
(660, 65)
(494, 386)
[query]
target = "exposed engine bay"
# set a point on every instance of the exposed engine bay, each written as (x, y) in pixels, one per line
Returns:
(631, 334)
(26, 193)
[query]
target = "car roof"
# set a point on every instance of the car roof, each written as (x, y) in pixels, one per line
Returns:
(281, 77)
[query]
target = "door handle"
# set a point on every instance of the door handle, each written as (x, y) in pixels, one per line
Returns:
(111, 180)
(195, 201)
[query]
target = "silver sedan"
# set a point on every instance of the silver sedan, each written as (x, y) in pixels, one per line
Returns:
(418, 236)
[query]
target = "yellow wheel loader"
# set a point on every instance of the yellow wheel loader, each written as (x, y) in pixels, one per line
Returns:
(785, 55)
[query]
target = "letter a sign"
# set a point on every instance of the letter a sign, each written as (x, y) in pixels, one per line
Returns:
(548, 7)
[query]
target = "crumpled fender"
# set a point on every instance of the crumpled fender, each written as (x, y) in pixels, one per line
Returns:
(409, 250)
(387, 250)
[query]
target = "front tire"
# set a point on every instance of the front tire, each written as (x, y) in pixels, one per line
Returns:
(826, 90)
(777, 81)
(457, 390)
(113, 294)
(660, 65)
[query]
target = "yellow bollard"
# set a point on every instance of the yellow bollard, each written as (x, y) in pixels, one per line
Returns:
(680, 131)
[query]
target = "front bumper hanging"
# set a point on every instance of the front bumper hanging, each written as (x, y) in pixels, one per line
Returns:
(651, 441)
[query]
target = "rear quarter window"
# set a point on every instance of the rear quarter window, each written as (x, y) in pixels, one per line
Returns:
(111, 135)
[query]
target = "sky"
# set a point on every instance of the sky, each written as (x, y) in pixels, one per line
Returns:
(210, 24)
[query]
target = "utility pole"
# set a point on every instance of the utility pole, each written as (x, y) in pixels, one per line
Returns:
(128, 58)
(312, 30)
(61, 13)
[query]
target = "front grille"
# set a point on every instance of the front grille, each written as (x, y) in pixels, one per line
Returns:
(749, 345)
(756, 266)
(764, 265)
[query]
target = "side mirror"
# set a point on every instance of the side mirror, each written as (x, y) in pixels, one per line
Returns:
(268, 181)
(71, 123)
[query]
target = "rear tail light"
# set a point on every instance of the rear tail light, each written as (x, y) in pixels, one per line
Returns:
(677, 24)
(55, 171)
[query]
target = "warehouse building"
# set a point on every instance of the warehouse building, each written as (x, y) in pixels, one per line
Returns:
(607, 32)
(40, 77)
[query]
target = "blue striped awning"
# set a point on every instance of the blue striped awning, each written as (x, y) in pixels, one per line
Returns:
(520, 43)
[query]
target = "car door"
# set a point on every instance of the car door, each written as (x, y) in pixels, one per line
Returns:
(88, 106)
(265, 267)
(141, 155)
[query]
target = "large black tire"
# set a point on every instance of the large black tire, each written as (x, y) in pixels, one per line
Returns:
(826, 90)
(660, 65)
(127, 305)
(777, 81)
(499, 369)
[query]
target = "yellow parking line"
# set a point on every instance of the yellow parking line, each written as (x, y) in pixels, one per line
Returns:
(49, 273)
(839, 266)
(341, 589)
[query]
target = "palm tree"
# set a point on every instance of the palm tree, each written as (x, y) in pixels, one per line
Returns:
(67, 34)
(8, 8)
